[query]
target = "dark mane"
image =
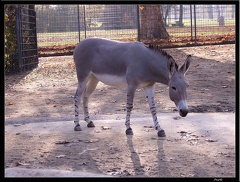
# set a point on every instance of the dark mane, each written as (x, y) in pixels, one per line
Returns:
(161, 52)
(157, 49)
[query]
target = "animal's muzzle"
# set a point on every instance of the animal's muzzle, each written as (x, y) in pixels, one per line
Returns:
(183, 112)
(183, 108)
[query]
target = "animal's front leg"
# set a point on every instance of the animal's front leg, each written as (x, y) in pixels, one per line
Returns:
(129, 106)
(150, 97)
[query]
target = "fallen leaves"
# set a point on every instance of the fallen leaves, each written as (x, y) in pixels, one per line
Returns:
(51, 72)
(187, 40)
(210, 140)
(22, 164)
(56, 49)
(16, 125)
(177, 117)
(194, 139)
(148, 128)
(187, 175)
(189, 137)
(92, 141)
(105, 127)
(61, 156)
(61, 142)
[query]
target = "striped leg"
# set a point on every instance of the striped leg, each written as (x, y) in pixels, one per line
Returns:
(150, 97)
(129, 106)
(78, 95)
(91, 85)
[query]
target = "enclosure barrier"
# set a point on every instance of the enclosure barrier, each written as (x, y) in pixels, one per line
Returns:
(26, 36)
(61, 27)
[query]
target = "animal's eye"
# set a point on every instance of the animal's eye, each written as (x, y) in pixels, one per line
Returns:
(174, 88)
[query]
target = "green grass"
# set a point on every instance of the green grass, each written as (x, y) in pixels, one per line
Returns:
(57, 34)
(71, 38)
(64, 38)
(204, 22)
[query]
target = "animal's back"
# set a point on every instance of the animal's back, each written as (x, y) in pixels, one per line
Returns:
(106, 56)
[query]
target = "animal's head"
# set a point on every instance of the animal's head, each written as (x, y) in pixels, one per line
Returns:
(178, 85)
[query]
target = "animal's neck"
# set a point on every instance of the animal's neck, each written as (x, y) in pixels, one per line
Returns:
(164, 79)
(160, 71)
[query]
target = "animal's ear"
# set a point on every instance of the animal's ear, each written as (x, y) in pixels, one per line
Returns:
(172, 66)
(185, 66)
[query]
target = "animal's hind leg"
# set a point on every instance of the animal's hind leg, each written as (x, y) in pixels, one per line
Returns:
(78, 94)
(91, 86)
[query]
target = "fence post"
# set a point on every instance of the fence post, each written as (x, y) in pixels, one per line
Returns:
(79, 30)
(35, 33)
(138, 23)
(191, 21)
(195, 23)
(84, 18)
(19, 36)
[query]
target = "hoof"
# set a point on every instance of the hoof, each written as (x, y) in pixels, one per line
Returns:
(161, 133)
(90, 124)
(129, 131)
(77, 128)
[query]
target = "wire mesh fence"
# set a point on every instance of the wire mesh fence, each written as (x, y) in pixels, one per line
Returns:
(69, 24)
(61, 27)
(191, 24)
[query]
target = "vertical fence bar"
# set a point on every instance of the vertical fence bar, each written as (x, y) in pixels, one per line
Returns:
(84, 18)
(79, 30)
(19, 36)
(195, 23)
(138, 24)
(191, 21)
(35, 34)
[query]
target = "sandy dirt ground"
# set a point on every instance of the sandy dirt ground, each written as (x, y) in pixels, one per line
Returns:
(48, 91)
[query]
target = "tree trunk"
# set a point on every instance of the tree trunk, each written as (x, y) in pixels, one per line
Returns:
(233, 11)
(210, 11)
(180, 24)
(218, 10)
(168, 7)
(151, 22)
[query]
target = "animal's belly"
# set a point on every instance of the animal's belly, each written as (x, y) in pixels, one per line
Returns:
(113, 80)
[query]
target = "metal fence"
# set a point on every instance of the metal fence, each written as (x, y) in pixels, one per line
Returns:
(63, 26)
(69, 24)
(26, 37)
(196, 25)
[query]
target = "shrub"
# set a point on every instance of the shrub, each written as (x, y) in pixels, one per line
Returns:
(10, 40)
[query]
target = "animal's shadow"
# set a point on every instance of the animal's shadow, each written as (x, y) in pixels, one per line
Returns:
(163, 169)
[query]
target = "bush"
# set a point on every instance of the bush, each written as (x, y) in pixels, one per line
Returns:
(10, 40)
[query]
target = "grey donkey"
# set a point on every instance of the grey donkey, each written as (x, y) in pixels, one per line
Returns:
(132, 65)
